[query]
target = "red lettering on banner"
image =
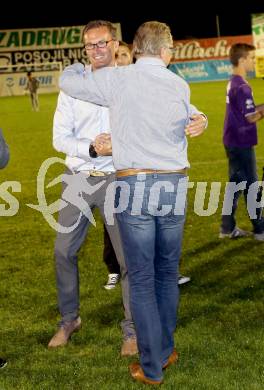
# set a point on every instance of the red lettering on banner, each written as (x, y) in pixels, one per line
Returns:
(203, 49)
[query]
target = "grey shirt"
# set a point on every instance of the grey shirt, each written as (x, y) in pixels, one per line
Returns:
(4, 151)
(149, 109)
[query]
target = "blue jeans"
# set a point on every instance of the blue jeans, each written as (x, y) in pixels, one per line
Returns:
(242, 167)
(152, 245)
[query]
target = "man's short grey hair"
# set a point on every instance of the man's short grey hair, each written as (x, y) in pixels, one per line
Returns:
(151, 37)
(101, 23)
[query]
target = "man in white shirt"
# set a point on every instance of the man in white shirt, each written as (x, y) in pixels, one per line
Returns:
(76, 126)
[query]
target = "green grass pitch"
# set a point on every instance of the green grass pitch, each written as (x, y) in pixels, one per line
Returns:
(221, 316)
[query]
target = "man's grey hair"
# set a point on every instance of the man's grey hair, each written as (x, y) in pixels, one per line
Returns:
(151, 37)
(101, 23)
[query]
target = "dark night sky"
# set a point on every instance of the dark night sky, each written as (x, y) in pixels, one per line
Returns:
(184, 24)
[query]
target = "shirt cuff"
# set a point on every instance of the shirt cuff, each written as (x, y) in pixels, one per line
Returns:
(206, 123)
(83, 150)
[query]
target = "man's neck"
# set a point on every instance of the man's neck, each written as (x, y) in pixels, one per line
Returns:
(239, 71)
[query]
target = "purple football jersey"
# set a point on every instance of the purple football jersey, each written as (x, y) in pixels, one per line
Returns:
(238, 132)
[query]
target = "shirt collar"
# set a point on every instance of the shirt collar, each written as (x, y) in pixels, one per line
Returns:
(87, 68)
(150, 61)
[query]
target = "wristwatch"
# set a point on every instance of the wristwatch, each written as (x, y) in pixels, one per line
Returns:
(92, 151)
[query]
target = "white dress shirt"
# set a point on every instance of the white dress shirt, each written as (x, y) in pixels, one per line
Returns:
(76, 124)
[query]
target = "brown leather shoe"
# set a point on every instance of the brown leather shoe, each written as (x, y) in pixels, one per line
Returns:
(64, 333)
(129, 347)
(138, 374)
(173, 358)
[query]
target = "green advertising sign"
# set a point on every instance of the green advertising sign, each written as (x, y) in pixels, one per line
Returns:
(258, 40)
(44, 38)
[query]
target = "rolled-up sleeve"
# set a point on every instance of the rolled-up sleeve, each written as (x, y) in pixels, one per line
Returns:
(195, 111)
(94, 87)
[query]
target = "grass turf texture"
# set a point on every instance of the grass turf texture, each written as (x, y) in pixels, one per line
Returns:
(220, 327)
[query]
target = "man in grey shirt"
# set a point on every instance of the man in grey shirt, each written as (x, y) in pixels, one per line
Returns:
(150, 114)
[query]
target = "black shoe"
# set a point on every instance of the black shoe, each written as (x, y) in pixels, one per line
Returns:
(3, 363)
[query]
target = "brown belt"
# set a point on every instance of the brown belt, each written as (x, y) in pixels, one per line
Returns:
(96, 173)
(131, 171)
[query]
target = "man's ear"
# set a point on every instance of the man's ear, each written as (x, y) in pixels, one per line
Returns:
(116, 45)
(163, 53)
(241, 60)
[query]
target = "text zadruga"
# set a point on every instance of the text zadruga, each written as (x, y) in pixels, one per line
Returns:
(43, 50)
(46, 38)
(15, 43)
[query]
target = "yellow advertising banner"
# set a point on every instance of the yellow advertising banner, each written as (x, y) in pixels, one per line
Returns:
(257, 22)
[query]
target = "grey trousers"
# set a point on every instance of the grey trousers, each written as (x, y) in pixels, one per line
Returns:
(67, 246)
(34, 101)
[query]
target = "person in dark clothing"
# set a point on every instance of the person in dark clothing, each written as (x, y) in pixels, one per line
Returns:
(4, 158)
(111, 262)
(32, 86)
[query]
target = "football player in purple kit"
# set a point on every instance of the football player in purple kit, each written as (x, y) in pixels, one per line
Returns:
(240, 137)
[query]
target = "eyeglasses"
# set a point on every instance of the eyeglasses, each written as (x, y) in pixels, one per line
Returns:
(100, 44)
